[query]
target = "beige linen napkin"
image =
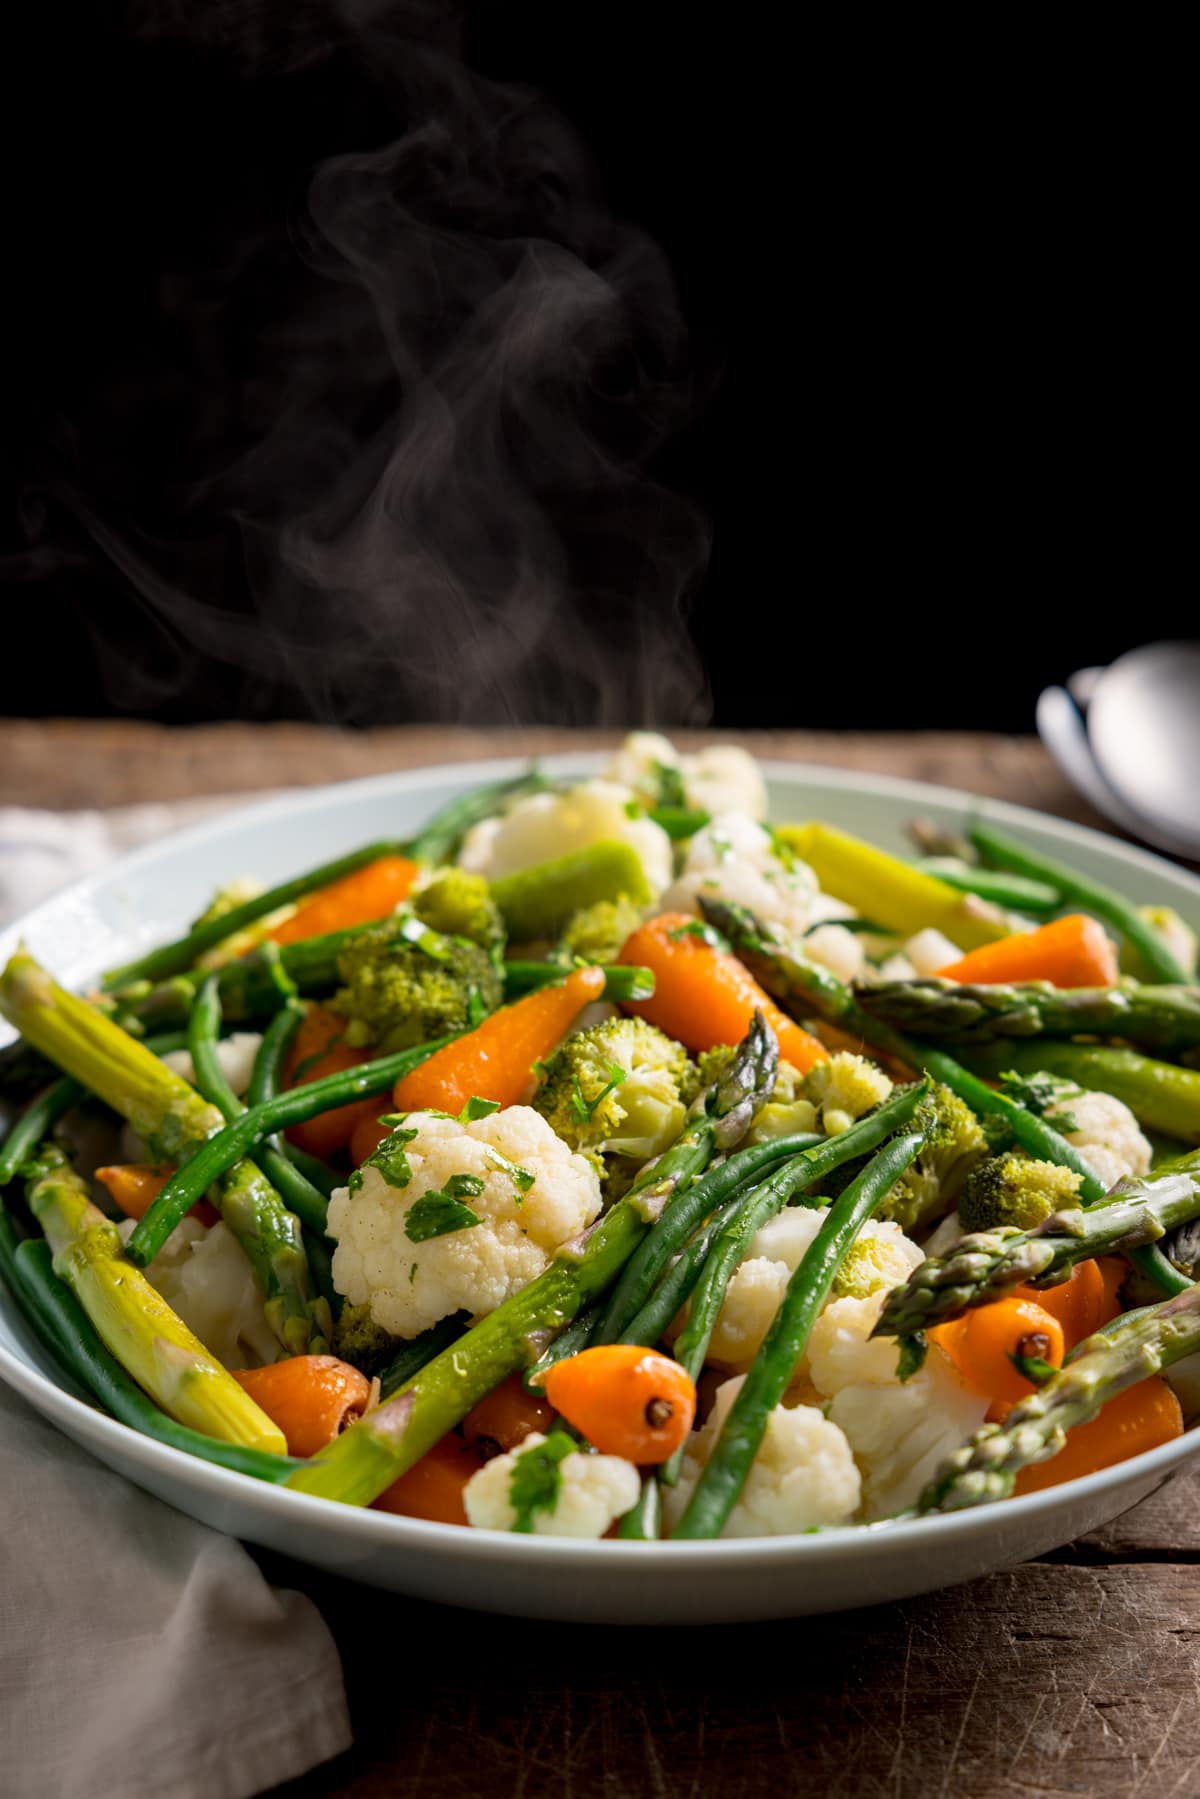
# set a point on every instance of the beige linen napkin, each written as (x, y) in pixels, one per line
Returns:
(141, 1653)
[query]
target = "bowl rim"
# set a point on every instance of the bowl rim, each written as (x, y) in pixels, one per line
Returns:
(376, 1529)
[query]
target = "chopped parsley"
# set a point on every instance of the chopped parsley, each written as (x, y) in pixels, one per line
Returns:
(520, 1177)
(706, 933)
(536, 1479)
(391, 1158)
(478, 1108)
(585, 1109)
(1037, 1093)
(913, 1350)
(669, 789)
(441, 1211)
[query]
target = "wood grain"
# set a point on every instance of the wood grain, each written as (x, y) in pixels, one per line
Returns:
(1076, 1675)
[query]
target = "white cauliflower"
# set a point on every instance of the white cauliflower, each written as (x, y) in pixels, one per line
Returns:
(721, 778)
(839, 950)
(529, 1192)
(899, 1432)
(930, 951)
(204, 1276)
(545, 825)
(845, 1087)
(1107, 1135)
(803, 1475)
(235, 1054)
(592, 1492)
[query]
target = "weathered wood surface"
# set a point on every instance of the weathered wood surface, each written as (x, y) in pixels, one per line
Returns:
(1077, 1675)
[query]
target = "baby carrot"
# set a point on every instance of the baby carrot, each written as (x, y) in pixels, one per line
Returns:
(1075, 951)
(319, 1048)
(136, 1185)
(1140, 1418)
(312, 1398)
(627, 1400)
(982, 1343)
(358, 898)
(495, 1060)
(506, 1417)
(1084, 1301)
(703, 995)
(433, 1487)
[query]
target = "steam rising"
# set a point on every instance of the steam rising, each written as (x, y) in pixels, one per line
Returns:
(438, 505)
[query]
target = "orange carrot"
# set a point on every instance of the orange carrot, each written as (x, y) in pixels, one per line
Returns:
(705, 996)
(368, 1134)
(1083, 1302)
(369, 893)
(1075, 951)
(319, 1048)
(135, 1185)
(506, 1417)
(981, 1343)
(626, 1400)
(495, 1060)
(312, 1398)
(1140, 1418)
(433, 1487)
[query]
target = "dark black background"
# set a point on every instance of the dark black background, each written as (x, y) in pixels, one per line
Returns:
(931, 404)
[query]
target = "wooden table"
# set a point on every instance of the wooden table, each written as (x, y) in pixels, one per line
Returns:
(1078, 1674)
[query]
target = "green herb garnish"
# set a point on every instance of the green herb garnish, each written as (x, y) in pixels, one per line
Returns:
(536, 1479)
(441, 1211)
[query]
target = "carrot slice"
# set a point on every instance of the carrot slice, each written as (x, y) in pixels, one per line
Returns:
(1140, 1418)
(371, 892)
(1075, 951)
(312, 1398)
(320, 1048)
(495, 1060)
(705, 996)
(433, 1487)
(134, 1186)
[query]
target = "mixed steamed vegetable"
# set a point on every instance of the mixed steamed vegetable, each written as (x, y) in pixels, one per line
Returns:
(606, 1161)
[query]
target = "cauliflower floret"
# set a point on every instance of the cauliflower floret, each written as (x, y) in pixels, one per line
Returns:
(845, 1087)
(235, 1054)
(734, 858)
(930, 951)
(204, 1276)
(547, 825)
(1107, 1134)
(880, 1258)
(837, 949)
(803, 1475)
(721, 778)
(529, 1192)
(590, 1492)
(841, 1350)
(901, 1434)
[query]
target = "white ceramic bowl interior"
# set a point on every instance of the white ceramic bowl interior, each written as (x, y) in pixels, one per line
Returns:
(150, 896)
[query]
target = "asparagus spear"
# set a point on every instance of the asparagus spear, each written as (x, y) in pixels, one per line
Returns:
(132, 1318)
(988, 1264)
(387, 1441)
(1162, 1096)
(716, 1492)
(176, 1122)
(1013, 892)
(986, 1468)
(1162, 1017)
(1004, 852)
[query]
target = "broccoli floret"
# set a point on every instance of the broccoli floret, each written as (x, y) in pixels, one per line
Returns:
(598, 933)
(460, 904)
(786, 1111)
(845, 1088)
(405, 983)
(615, 1088)
(363, 1343)
(1016, 1190)
(708, 1067)
(955, 1145)
(872, 1264)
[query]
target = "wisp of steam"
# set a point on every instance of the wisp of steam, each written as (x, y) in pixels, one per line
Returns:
(436, 503)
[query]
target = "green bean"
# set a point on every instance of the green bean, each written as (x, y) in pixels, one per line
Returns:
(648, 1325)
(620, 982)
(643, 1522)
(567, 1343)
(1014, 892)
(1079, 890)
(35, 1123)
(420, 1352)
(716, 1492)
(67, 1331)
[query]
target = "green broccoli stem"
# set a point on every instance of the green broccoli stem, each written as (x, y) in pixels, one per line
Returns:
(720, 1484)
(1014, 892)
(989, 1264)
(755, 1209)
(306, 1201)
(241, 1138)
(1004, 852)
(69, 1335)
(620, 983)
(986, 1468)
(170, 1117)
(386, 1442)
(36, 1123)
(1162, 1096)
(1163, 1018)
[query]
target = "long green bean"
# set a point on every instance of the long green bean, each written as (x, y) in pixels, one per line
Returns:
(36, 1123)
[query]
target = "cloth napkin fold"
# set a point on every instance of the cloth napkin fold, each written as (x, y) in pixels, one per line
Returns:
(141, 1653)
